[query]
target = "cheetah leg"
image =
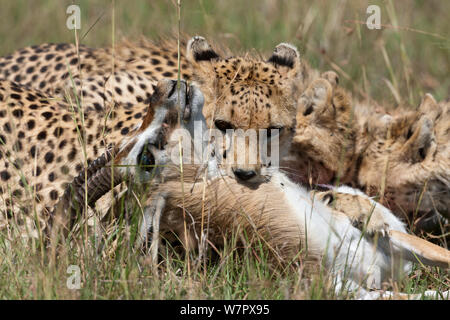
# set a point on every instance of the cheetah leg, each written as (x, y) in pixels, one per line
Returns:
(364, 213)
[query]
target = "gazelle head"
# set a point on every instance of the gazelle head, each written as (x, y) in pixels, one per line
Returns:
(142, 155)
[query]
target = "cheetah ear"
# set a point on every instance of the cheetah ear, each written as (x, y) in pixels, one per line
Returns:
(332, 77)
(285, 55)
(428, 103)
(430, 107)
(321, 93)
(198, 50)
(419, 141)
(315, 101)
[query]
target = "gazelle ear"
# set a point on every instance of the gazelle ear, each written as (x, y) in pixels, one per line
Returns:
(332, 77)
(198, 50)
(285, 55)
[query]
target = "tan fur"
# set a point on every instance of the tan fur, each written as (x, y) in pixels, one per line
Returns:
(248, 93)
(42, 149)
(232, 210)
(362, 212)
(415, 150)
(398, 156)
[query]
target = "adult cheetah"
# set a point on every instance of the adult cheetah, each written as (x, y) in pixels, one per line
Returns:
(44, 143)
(241, 92)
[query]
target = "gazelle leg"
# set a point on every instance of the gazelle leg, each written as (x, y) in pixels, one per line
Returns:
(159, 207)
(150, 221)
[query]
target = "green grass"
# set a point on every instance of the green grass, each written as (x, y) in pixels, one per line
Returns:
(415, 38)
(395, 65)
(120, 272)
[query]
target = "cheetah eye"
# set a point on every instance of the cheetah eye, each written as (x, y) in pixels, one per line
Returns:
(145, 159)
(223, 125)
(271, 134)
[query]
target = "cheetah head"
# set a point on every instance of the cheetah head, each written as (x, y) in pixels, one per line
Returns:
(411, 155)
(251, 103)
(324, 131)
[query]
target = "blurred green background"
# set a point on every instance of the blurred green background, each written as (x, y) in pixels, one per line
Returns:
(409, 56)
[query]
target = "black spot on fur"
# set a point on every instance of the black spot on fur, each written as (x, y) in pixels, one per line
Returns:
(33, 151)
(42, 135)
(72, 154)
(18, 113)
(47, 115)
(5, 175)
(7, 128)
(124, 131)
(58, 132)
(54, 195)
(51, 177)
(37, 172)
(49, 156)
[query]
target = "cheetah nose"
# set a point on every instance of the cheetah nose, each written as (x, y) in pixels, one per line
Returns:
(244, 174)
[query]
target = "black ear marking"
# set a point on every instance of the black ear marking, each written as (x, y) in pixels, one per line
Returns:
(205, 55)
(284, 54)
(200, 50)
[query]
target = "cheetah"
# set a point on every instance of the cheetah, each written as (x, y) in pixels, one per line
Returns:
(228, 106)
(359, 147)
(246, 95)
(415, 150)
(101, 75)
(241, 92)
(45, 142)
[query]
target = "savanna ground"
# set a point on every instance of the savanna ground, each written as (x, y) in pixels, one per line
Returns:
(396, 65)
